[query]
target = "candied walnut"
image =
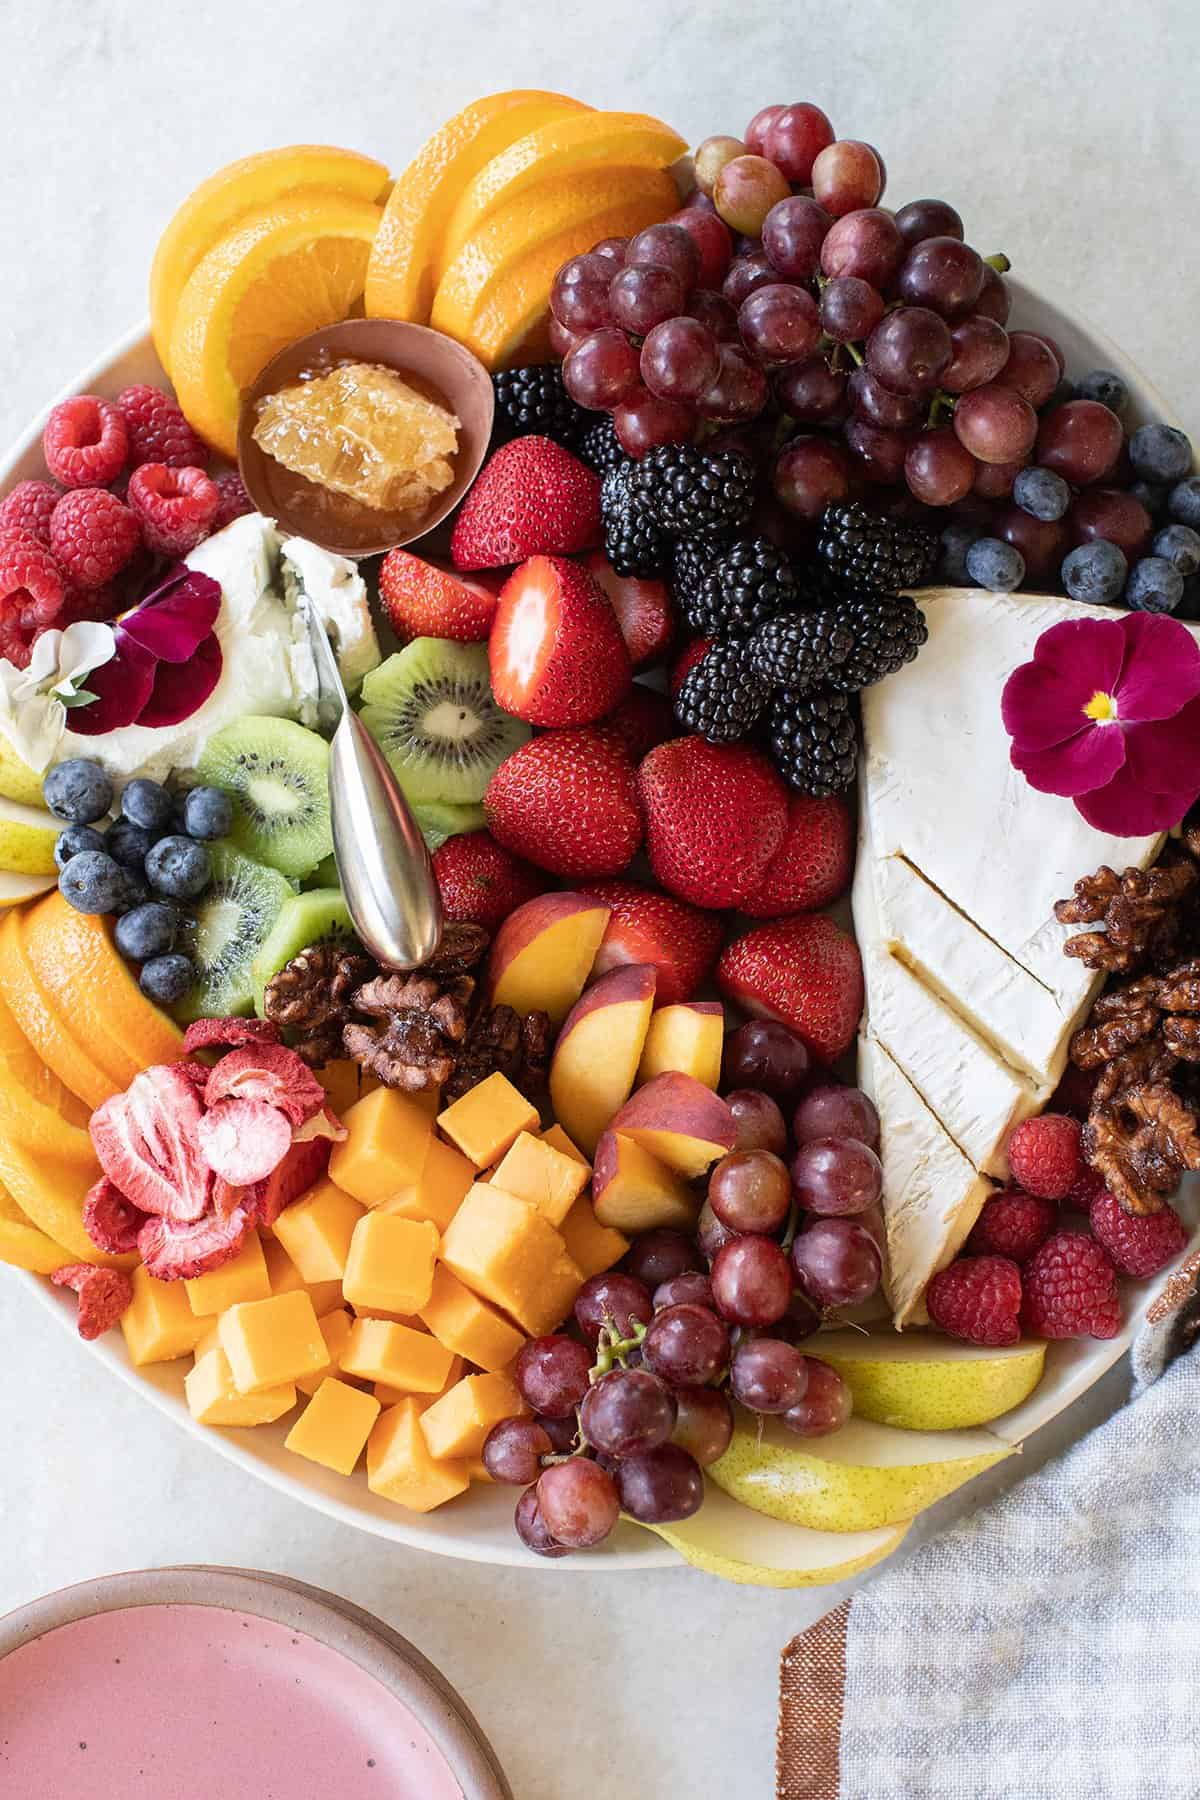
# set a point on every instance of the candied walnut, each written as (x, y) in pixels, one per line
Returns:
(1149, 1061)
(461, 950)
(421, 1022)
(1139, 910)
(1141, 1142)
(500, 1040)
(310, 999)
(1095, 1045)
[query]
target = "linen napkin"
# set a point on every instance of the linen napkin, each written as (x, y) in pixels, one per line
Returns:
(1048, 1647)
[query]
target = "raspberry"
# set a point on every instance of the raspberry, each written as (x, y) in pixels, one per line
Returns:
(1045, 1156)
(158, 431)
(1139, 1246)
(1071, 1289)
(31, 594)
(1074, 1092)
(234, 499)
(28, 508)
(1013, 1224)
(177, 507)
(977, 1298)
(101, 603)
(85, 442)
(93, 536)
(1090, 1182)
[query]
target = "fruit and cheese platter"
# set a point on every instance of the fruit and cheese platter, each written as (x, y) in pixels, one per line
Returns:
(777, 629)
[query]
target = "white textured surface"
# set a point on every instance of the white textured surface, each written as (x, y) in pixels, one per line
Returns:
(1066, 136)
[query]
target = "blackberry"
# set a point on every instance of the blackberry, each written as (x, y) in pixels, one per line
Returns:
(798, 650)
(633, 543)
(874, 552)
(599, 446)
(534, 399)
(693, 493)
(750, 581)
(689, 562)
(721, 697)
(886, 632)
(814, 741)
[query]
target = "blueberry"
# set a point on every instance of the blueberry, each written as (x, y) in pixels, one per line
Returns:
(991, 563)
(1064, 390)
(1189, 606)
(1160, 453)
(1153, 496)
(1154, 585)
(1095, 573)
(1180, 545)
(92, 882)
(1106, 386)
(166, 979)
(1183, 501)
(147, 931)
(127, 843)
(148, 804)
(78, 791)
(179, 868)
(957, 539)
(1042, 493)
(137, 890)
(207, 813)
(74, 841)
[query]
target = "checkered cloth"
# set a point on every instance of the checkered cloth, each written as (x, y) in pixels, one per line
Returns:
(1048, 1648)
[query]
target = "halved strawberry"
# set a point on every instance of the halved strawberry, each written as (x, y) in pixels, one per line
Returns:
(424, 599)
(645, 926)
(643, 608)
(556, 652)
(532, 498)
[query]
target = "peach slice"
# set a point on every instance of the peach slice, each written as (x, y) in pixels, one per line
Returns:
(680, 1121)
(632, 1191)
(50, 1193)
(23, 1245)
(543, 951)
(686, 1039)
(30, 1007)
(598, 1050)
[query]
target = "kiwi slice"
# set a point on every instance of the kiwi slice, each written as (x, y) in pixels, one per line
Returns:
(224, 931)
(325, 875)
(277, 774)
(431, 711)
(442, 819)
(316, 916)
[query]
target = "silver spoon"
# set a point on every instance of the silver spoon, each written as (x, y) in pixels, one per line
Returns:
(382, 859)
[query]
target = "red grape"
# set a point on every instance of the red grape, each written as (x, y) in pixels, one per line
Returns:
(922, 219)
(996, 424)
(994, 481)
(552, 1374)
(1119, 517)
(944, 274)
(832, 1111)
(749, 1190)
(667, 246)
(579, 298)
(578, 1502)
(745, 274)
(811, 391)
(1031, 368)
(1042, 542)
(810, 474)
(980, 352)
(661, 1485)
(768, 1375)
(835, 1176)
(641, 297)
(910, 349)
(751, 1281)
(704, 1423)
(850, 309)
(759, 1121)
(846, 176)
(877, 153)
(938, 469)
(562, 341)
(563, 1433)
(602, 370)
(612, 1299)
(714, 245)
(711, 1235)
(689, 1289)
(686, 1346)
(760, 124)
(680, 359)
(793, 139)
(614, 249)
(715, 311)
(865, 244)
(532, 1528)
(872, 401)
(627, 1411)
(799, 1322)
(792, 234)
(513, 1449)
(1055, 349)
(658, 1255)
(826, 1406)
(1081, 441)
(710, 157)
(644, 421)
(995, 301)
(745, 191)
(836, 1262)
(779, 323)
(739, 392)
(878, 452)
(766, 1054)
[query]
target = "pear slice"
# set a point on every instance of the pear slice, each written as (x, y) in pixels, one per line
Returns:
(857, 1479)
(28, 835)
(736, 1544)
(926, 1383)
(16, 889)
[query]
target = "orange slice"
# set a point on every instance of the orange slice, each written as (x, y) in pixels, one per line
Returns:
(51, 1194)
(403, 270)
(23, 1245)
(497, 290)
(212, 209)
(283, 271)
(566, 147)
(40, 1129)
(40, 1022)
(20, 1063)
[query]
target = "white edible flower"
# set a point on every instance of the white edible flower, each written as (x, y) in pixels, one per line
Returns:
(35, 701)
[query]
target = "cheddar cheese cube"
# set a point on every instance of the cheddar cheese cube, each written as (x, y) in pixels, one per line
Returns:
(210, 1341)
(345, 1082)
(335, 1329)
(444, 1180)
(388, 1396)
(534, 1170)
(400, 1468)
(388, 1134)
(245, 1277)
(390, 1264)
(505, 1251)
(214, 1398)
(334, 1427)
(316, 1231)
(272, 1341)
(456, 1425)
(556, 1137)
(488, 1119)
(465, 1323)
(287, 1279)
(591, 1245)
(159, 1323)
(413, 1361)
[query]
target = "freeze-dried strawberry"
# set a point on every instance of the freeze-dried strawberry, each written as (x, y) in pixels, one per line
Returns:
(146, 1141)
(103, 1296)
(244, 1140)
(110, 1220)
(267, 1072)
(177, 1252)
(203, 1034)
(301, 1168)
(324, 1124)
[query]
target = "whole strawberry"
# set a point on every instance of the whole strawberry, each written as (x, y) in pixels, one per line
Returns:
(1013, 1224)
(1045, 1155)
(805, 971)
(647, 927)
(424, 600)
(978, 1298)
(1140, 1246)
(693, 652)
(642, 720)
(715, 816)
(567, 801)
(482, 882)
(1071, 1289)
(555, 651)
(812, 865)
(532, 498)
(643, 608)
